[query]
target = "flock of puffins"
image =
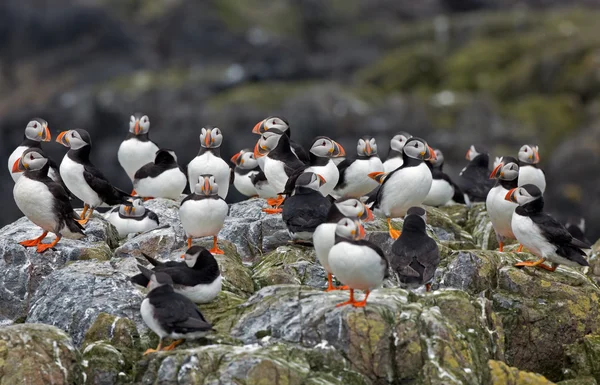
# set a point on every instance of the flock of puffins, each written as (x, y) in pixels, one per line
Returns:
(323, 195)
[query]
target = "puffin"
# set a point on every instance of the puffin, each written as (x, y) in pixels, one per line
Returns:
(82, 178)
(246, 168)
(541, 234)
(170, 314)
(324, 235)
(36, 132)
(43, 201)
(415, 256)
(354, 181)
(443, 190)
(529, 173)
(499, 209)
(279, 163)
(137, 149)
(394, 159)
(197, 278)
(281, 124)
(406, 186)
(203, 212)
(357, 263)
(306, 208)
(132, 218)
(209, 161)
(576, 226)
(162, 178)
(474, 178)
(264, 189)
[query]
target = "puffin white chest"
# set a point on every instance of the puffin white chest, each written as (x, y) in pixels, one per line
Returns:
(275, 173)
(405, 188)
(323, 240)
(168, 184)
(500, 211)
(72, 175)
(16, 154)
(440, 193)
(330, 173)
(530, 236)
(208, 163)
(37, 203)
(201, 293)
(359, 267)
(203, 217)
(133, 154)
(357, 180)
(532, 175)
(243, 183)
(393, 164)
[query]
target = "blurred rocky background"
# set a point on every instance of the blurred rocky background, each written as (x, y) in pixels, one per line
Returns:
(502, 73)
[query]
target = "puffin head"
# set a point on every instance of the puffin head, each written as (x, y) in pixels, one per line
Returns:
(529, 154)
(139, 124)
(38, 130)
(506, 169)
(366, 146)
(155, 279)
(245, 159)
(74, 139)
(353, 208)
(417, 211)
(272, 122)
(310, 180)
(165, 155)
(211, 137)
(31, 159)
(473, 152)
(524, 194)
(418, 148)
(135, 210)
(206, 185)
(350, 229)
(193, 254)
(399, 140)
(325, 147)
(438, 159)
(267, 142)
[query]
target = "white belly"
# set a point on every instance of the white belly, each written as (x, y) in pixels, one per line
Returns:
(203, 217)
(36, 202)
(405, 188)
(133, 154)
(148, 317)
(357, 178)
(440, 193)
(207, 163)
(201, 293)
(392, 164)
(275, 173)
(16, 154)
(129, 226)
(532, 175)
(330, 173)
(72, 175)
(323, 240)
(243, 184)
(359, 267)
(529, 235)
(500, 212)
(169, 184)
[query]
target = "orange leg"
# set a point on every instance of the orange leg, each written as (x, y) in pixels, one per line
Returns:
(34, 242)
(189, 242)
(351, 301)
(330, 286)
(133, 193)
(393, 233)
(173, 345)
(45, 246)
(427, 287)
(86, 219)
(215, 249)
(158, 348)
(275, 202)
(147, 198)
(530, 263)
(84, 211)
(363, 302)
(546, 267)
(501, 248)
(520, 248)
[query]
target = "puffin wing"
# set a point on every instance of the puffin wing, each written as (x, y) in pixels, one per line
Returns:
(300, 152)
(179, 314)
(96, 180)
(555, 232)
(62, 205)
(342, 170)
(313, 209)
(186, 276)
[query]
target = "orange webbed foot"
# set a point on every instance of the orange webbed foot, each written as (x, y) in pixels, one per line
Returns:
(272, 211)
(43, 247)
(349, 302)
(520, 249)
(216, 251)
(151, 351)
(173, 345)
(362, 303)
(30, 242)
(548, 268)
(395, 234)
(147, 199)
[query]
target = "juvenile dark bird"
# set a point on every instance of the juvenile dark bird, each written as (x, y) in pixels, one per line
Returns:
(137, 149)
(415, 256)
(474, 179)
(162, 178)
(576, 226)
(132, 218)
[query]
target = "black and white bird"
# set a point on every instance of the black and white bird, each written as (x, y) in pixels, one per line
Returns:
(209, 161)
(203, 212)
(82, 178)
(132, 218)
(529, 172)
(198, 277)
(395, 159)
(137, 149)
(541, 234)
(415, 256)
(306, 208)
(443, 190)
(406, 186)
(354, 181)
(170, 314)
(474, 179)
(357, 263)
(576, 226)
(43, 201)
(246, 169)
(162, 178)
(36, 132)
(281, 124)
(499, 209)
(324, 235)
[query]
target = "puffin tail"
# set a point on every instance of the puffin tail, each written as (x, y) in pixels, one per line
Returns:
(72, 228)
(118, 197)
(139, 279)
(152, 261)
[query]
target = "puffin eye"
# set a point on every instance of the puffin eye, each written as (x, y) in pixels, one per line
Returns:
(324, 144)
(31, 156)
(356, 205)
(525, 149)
(34, 125)
(416, 145)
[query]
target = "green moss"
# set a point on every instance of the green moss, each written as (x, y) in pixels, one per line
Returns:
(222, 313)
(99, 251)
(502, 374)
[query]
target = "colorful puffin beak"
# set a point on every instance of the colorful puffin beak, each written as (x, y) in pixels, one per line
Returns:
(429, 154)
(46, 137)
(63, 139)
(129, 210)
(368, 149)
(260, 150)
(234, 159)
(510, 195)
(322, 180)
(377, 176)
(18, 166)
(367, 215)
(468, 156)
(207, 139)
(496, 173)
(337, 150)
(136, 128)
(536, 156)
(257, 127)
(207, 189)
(361, 231)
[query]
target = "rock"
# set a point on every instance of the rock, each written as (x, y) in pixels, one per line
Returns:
(399, 337)
(583, 358)
(38, 355)
(579, 381)
(479, 225)
(105, 364)
(502, 374)
(223, 312)
(71, 298)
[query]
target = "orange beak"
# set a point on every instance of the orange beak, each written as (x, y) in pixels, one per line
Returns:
(207, 139)
(368, 214)
(206, 188)
(432, 155)
(234, 159)
(496, 173)
(17, 166)
(510, 195)
(183, 256)
(536, 157)
(338, 150)
(322, 180)
(361, 232)
(47, 137)
(260, 151)
(257, 127)
(368, 149)
(136, 128)
(62, 139)
(468, 156)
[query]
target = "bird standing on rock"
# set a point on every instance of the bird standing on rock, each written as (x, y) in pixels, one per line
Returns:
(131, 219)
(209, 161)
(169, 314)
(162, 178)
(246, 168)
(82, 178)
(354, 181)
(36, 132)
(203, 212)
(529, 173)
(43, 201)
(541, 234)
(443, 190)
(281, 124)
(474, 179)
(395, 159)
